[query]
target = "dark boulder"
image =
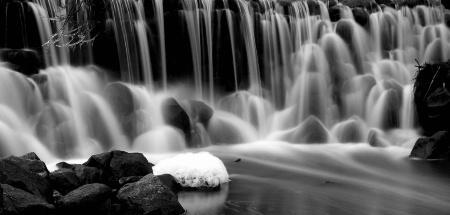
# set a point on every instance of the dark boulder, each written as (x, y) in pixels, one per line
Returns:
(121, 99)
(25, 61)
(33, 164)
(87, 174)
(335, 12)
(148, 196)
(87, 199)
(361, 16)
(17, 201)
(64, 180)
(175, 115)
(389, 3)
(16, 176)
(170, 182)
(118, 164)
(100, 161)
(125, 164)
(434, 147)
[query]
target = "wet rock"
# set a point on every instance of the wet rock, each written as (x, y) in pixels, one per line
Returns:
(175, 115)
(391, 111)
(33, 164)
(64, 180)
(28, 61)
(87, 199)
(375, 140)
(361, 16)
(15, 175)
(121, 99)
(17, 201)
(198, 111)
(350, 131)
(130, 179)
(335, 12)
(447, 19)
(313, 7)
(310, 131)
(434, 147)
(136, 123)
(41, 81)
(170, 182)
(357, 3)
(148, 196)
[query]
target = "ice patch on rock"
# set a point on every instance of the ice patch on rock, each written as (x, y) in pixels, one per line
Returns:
(194, 169)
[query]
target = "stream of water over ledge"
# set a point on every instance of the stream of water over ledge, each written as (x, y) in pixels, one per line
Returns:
(318, 109)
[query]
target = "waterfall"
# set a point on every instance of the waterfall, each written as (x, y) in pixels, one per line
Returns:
(268, 69)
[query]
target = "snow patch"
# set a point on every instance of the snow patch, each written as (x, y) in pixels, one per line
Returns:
(194, 169)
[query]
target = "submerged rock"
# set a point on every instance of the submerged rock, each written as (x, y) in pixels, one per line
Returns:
(434, 147)
(361, 16)
(17, 201)
(87, 199)
(310, 131)
(148, 196)
(198, 111)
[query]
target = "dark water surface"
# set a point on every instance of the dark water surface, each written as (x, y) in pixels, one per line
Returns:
(324, 179)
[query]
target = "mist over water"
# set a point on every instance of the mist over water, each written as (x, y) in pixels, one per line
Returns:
(309, 98)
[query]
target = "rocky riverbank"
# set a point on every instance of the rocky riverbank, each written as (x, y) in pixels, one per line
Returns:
(110, 183)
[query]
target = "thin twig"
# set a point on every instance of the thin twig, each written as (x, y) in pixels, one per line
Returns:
(429, 87)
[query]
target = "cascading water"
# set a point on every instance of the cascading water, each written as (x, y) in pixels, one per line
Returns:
(275, 72)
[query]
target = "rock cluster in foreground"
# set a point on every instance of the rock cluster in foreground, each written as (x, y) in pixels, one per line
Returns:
(110, 183)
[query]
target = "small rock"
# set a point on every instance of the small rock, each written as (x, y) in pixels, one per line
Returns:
(148, 196)
(64, 180)
(87, 199)
(64, 165)
(350, 131)
(17, 201)
(57, 195)
(434, 147)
